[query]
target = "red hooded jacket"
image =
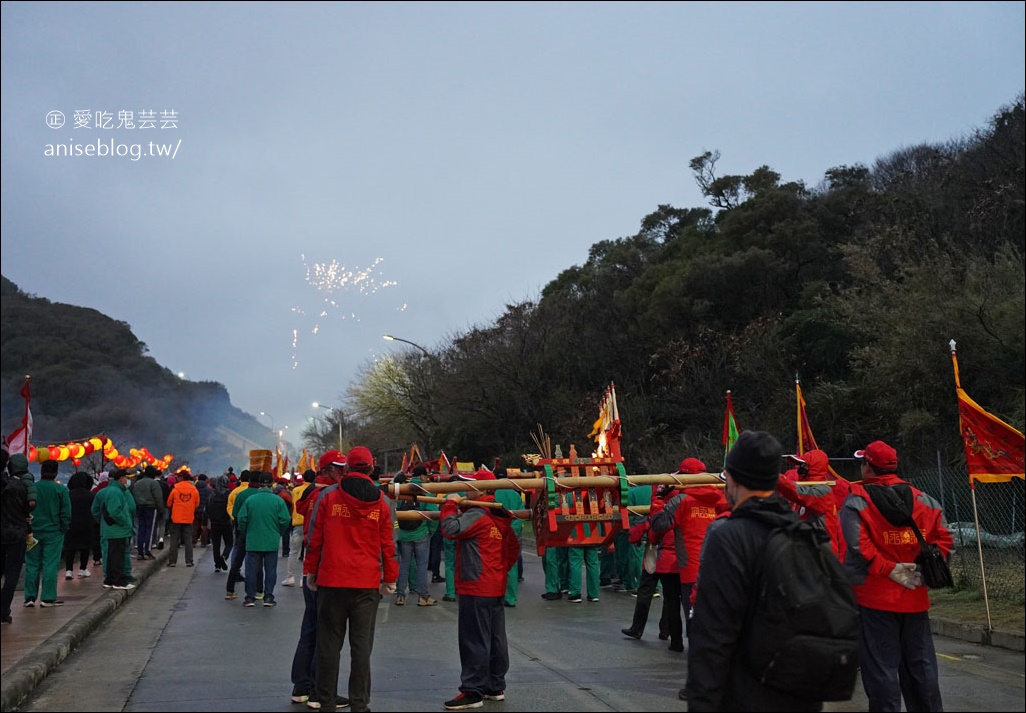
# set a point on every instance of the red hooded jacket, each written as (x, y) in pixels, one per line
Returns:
(689, 513)
(486, 547)
(349, 539)
(875, 546)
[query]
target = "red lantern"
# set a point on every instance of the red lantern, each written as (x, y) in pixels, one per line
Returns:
(32, 453)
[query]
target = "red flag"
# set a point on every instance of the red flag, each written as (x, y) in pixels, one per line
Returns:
(729, 427)
(18, 441)
(806, 441)
(993, 449)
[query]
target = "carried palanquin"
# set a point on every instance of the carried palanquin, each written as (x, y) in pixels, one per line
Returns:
(572, 501)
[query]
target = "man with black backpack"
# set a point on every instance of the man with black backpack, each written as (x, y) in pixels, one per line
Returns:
(884, 520)
(775, 623)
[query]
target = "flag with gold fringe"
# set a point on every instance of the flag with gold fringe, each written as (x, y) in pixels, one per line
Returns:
(993, 449)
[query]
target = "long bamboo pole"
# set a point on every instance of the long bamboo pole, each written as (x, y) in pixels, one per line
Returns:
(531, 484)
(523, 485)
(521, 514)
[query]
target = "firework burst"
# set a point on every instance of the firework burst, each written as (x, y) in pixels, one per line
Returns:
(337, 287)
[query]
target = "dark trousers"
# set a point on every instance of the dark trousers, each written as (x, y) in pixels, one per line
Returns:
(286, 538)
(304, 667)
(484, 652)
(221, 539)
(83, 558)
(201, 528)
(435, 553)
(337, 609)
(898, 661)
(181, 534)
(94, 543)
(646, 591)
(238, 559)
(671, 609)
(117, 548)
(685, 603)
(13, 561)
(147, 517)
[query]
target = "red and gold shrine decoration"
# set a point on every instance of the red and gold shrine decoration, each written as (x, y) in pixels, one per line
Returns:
(75, 451)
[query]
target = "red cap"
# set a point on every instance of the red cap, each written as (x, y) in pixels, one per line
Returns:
(332, 457)
(879, 455)
(479, 475)
(691, 466)
(358, 456)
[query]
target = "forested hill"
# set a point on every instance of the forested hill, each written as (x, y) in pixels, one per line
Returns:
(91, 376)
(855, 286)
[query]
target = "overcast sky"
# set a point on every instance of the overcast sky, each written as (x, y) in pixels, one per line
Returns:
(342, 171)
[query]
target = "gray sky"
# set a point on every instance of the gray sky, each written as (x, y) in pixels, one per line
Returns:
(345, 170)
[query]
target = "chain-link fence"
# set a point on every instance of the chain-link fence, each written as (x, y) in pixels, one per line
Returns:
(999, 509)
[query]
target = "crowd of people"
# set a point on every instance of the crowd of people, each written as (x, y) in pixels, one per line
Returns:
(707, 559)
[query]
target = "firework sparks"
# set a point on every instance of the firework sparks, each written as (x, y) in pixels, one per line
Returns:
(337, 285)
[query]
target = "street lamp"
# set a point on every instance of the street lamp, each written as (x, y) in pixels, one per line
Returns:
(390, 338)
(264, 413)
(337, 413)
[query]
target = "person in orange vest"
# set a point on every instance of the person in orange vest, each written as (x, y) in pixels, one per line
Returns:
(182, 504)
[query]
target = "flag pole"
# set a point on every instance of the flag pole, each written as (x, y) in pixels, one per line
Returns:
(972, 491)
(979, 549)
(798, 412)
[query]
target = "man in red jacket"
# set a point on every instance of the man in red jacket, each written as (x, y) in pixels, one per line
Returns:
(815, 500)
(895, 641)
(486, 549)
(350, 540)
(689, 513)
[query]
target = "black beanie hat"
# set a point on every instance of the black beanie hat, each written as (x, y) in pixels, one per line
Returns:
(754, 461)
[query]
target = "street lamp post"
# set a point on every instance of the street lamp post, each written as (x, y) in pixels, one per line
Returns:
(390, 338)
(269, 416)
(337, 413)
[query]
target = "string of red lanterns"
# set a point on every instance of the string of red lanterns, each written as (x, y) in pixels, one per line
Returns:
(76, 450)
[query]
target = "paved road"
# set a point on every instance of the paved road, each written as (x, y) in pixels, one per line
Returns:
(176, 645)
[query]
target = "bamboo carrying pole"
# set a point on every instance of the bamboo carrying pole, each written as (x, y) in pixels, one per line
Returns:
(408, 491)
(531, 484)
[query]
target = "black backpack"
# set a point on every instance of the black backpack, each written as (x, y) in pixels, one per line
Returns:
(413, 523)
(804, 626)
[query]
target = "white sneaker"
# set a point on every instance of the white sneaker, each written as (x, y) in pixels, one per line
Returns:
(289, 582)
(68, 574)
(84, 573)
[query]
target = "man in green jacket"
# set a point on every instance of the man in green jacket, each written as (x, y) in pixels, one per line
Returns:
(263, 518)
(414, 542)
(511, 500)
(114, 508)
(50, 520)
